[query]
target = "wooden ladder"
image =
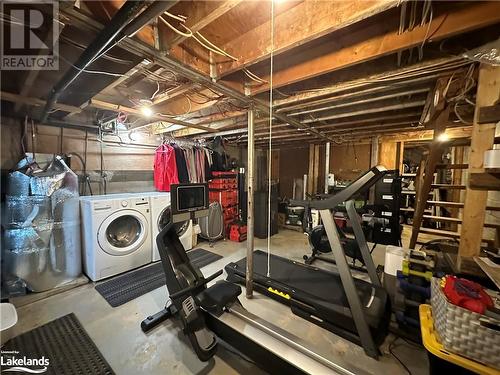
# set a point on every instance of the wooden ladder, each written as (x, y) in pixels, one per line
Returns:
(425, 173)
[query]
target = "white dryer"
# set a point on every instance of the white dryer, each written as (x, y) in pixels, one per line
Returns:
(116, 231)
(161, 215)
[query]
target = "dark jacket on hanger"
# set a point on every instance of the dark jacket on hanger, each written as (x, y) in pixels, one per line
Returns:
(181, 165)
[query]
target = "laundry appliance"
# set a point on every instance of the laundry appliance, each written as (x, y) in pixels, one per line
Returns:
(161, 215)
(116, 232)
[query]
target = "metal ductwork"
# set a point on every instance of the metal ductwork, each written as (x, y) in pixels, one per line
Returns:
(118, 23)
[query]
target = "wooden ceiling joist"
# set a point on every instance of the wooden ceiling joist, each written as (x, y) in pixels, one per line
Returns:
(303, 23)
(198, 15)
(414, 73)
(370, 99)
(379, 41)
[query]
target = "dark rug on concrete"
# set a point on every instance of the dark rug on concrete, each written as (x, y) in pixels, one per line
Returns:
(65, 346)
(124, 288)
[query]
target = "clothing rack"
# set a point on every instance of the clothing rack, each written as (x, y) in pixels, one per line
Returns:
(183, 142)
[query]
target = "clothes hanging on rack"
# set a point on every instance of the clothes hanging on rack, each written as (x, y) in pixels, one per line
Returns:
(165, 168)
(219, 157)
(182, 170)
(181, 163)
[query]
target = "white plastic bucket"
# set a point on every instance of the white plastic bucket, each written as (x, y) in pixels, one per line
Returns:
(8, 319)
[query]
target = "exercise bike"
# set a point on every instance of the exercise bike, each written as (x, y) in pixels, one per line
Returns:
(189, 296)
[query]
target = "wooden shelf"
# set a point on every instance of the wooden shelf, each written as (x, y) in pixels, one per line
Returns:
(458, 205)
(452, 166)
(443, 219)
(446, 204)
(411, 209)
(440, 232)
(408, 192)
(448, 186)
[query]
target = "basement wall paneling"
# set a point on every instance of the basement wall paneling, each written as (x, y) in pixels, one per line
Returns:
(293, 163)
(128, 168)
(348, 161)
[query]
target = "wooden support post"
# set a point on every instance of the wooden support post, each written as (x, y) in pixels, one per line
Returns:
(483, 136)
(400, 153)
(310, 179)
(374, 161)
(426, 174)
(316, 169)
(458, 158)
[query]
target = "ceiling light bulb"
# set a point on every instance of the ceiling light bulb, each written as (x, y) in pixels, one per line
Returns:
(443, 137)
(146, 111)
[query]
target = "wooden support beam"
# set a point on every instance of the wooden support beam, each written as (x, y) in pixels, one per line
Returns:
(303, 23)
(15, 98)
(120, 108)
(135, 69)
(483, 137)
(375, 98)
(489, 114)
(170, 95)
(199, 14)
(427, 174)
(31, 75)
(416, 72)
(382, 40)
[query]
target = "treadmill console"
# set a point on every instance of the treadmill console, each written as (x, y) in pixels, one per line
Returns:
(189, 201)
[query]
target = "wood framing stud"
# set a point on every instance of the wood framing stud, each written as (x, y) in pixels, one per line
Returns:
(483, 136)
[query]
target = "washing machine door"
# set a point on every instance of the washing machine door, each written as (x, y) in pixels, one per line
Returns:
(123, 232)
(166, 217)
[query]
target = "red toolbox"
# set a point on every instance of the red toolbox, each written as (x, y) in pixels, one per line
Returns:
(225, 197)
(224, 174)
(238, 232)
(223, 183)
(230, 213)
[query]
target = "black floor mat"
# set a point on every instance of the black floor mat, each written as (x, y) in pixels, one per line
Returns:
(63, 342)
(133, 284)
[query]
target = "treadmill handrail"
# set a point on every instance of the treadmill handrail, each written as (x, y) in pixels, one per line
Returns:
(363, 183)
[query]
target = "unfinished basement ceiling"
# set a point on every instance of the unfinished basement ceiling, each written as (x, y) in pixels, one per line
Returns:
(342, 70)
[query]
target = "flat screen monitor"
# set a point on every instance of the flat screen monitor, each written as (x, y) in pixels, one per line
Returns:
(189, 197)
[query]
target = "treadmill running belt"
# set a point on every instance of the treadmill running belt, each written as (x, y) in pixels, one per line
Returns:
(321, 284)
(316, 294)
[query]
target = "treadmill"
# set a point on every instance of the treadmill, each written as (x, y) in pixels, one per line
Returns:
(355, 309)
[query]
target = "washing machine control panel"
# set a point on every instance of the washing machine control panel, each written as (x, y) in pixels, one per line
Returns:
(124, 203)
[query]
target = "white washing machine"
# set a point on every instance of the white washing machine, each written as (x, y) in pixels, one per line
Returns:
(161, 216)
(116, 232)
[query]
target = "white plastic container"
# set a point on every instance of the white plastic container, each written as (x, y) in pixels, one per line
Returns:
(8, 319)
(394, 256)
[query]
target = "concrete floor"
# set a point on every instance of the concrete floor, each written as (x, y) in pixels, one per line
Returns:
(128, 350)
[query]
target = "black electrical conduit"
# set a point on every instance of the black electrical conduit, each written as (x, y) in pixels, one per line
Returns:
(108, 35)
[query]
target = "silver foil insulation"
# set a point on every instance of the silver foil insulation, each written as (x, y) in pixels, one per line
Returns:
(41, 220)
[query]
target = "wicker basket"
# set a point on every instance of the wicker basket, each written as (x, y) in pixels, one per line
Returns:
(464, 332)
